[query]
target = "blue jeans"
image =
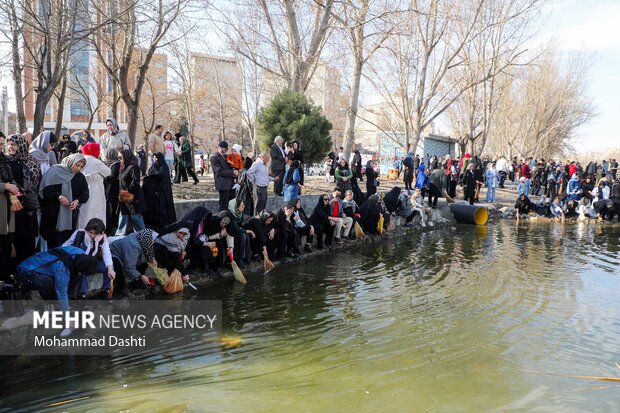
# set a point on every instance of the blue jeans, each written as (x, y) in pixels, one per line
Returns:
(528, 183)
(169, 162)
(136, 221)
(490, 194)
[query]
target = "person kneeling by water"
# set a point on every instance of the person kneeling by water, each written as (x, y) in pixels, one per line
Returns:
(523, 206)
(93, 241)
(56, 273)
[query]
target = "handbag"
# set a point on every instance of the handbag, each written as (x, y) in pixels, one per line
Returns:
(125, 197)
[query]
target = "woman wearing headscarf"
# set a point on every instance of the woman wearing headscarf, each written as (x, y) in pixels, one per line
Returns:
(470, 183)
(27, 176)
(62, 191)
(214, 241)
(157, 190)
(111, 185)
(131, 197)
(8, 190)
(356, 165)
(40, 149)
(186, 162)
(246, 189)
(114, 138)
(95, 172)
(370, 211)
(343, 176)
(371, 179)
(292, 177)
(287, 240)
(130, 255)
(170, 251)
(298, 155)
(263, 244)
(408, 175)
(241, 246)
(574, 187)
(302, 225)
(422, 180)
(351, 209)
(323, 226)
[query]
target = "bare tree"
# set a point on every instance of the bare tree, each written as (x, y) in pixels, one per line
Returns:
(500, 46)
(367, 27)
(14, 32)
(138, 29)
(543, 108)
(410, 72)
(289, 42)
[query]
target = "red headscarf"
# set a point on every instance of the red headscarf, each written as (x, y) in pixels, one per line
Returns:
(92, 149)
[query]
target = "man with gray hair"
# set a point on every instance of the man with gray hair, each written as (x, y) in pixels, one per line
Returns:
(277, 164)
(259, 177)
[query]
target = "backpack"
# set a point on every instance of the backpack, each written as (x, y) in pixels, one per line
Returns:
(391, 199)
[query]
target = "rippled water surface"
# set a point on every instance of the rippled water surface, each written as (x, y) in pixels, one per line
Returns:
(469, 320)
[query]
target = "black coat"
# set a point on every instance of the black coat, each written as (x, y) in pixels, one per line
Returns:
(191, 221)
(356, 165)
(130, 181)
(277, 160)
(222, 173)
(369, 216)
(371, 178)
(321, 213)
(50, 207)
(157, 191)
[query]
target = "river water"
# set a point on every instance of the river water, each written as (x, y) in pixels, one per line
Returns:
(468, 320)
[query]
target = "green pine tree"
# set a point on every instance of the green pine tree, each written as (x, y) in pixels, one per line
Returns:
(294, 116)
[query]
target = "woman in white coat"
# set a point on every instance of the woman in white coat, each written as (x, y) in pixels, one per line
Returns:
(94, 171)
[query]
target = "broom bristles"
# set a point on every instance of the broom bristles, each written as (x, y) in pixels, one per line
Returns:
(111, 289)
(238, 274)
(268, 265)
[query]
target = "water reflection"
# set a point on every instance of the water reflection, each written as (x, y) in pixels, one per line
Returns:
(452, 320)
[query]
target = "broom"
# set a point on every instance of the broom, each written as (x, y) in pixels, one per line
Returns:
(236, 270)
(359, 232)
(15, 204)
(267, 264)
(111, 289)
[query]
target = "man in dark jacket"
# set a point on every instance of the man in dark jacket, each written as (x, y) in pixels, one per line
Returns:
(223, 174)
(277, 164)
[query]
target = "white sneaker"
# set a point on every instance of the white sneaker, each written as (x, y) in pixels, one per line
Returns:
(430, 224)
(422, 224)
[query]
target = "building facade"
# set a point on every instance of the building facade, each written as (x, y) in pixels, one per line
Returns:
(218, 102)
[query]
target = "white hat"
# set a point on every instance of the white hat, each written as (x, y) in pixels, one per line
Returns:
(237, 148)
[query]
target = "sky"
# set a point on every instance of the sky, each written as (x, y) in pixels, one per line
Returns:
(591, 28)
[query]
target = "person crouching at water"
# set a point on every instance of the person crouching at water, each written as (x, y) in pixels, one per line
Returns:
(302, 224)
(323, 225)
(405, 208)
(606, 209)
(523, 206)
(214, 241)
(557, 209)
(170, 251)
(94, 242)
(585, 209)
(287, 240)
(370, 212)
(241, 236)
(56, 273)
(419, 205)
(130, 255)
(263, 244)
(352, 210)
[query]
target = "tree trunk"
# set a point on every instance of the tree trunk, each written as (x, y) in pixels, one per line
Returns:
(349, 135)
(61, 107)
(17, 84)
(132, 123)
(39, 116)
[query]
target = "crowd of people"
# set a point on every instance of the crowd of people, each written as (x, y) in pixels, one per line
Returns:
(62, 200)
